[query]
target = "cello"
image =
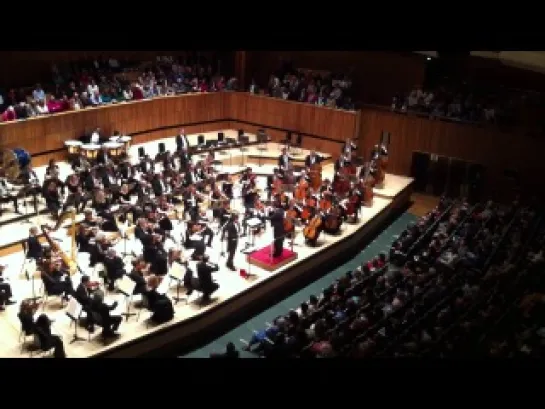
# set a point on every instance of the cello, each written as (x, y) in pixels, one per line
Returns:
(312, 230)
(315, 175)
(300, 192)
(333, 220)
(289, 219)
(309, 208)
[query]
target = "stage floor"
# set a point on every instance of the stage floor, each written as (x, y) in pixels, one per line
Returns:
(231, 284)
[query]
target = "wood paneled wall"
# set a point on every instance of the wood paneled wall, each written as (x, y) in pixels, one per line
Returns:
(485, 145)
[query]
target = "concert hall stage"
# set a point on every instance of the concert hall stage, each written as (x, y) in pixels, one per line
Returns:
(234, 296)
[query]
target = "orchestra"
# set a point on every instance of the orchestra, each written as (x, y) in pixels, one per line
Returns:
(110, 191)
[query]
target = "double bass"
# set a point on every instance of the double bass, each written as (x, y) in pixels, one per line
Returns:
(367, 184)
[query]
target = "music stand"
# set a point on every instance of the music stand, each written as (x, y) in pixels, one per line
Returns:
(248, 252)
(30, 268)
(123, 231)
(73, 311)
(25, 197)
(126, 287)
(177, 273)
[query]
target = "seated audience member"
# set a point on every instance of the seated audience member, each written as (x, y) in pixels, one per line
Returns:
(47, 339)
(42, 108)
(103, 317)
(230, 352)
(9, 114)
(5, 290)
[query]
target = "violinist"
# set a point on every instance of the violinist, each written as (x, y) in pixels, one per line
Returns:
(83, 238)
(76, 196)
(192, 176)
(231, 232)
(249, 191)
(341, 163)
(110, 324)
(83, 296)
(102, 206)
(202, 227)
(99, 249)
(52, 197)
(217, 199)
(102, 156)
(115, 268)
(56, 280)
(52, 172)
(122, 197)
(168, 162)
(154, 253)
(138, 274)
(227, 187)
(159, 185)
(312, 159)
(191, 203)
(159, 304)
(109, 179)
(31, 184)
(207, 284)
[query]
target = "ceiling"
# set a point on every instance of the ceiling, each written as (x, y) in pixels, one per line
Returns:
(527, 60)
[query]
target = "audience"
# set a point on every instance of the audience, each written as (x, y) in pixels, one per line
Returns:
(82, 85)
(445, 281)
(318, 88)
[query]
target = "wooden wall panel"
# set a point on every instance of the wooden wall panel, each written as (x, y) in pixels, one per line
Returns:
(305, 118)
(495, 150)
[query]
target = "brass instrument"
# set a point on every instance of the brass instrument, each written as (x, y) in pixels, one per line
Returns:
(69, 260)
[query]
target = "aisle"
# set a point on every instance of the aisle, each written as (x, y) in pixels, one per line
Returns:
(381, 243)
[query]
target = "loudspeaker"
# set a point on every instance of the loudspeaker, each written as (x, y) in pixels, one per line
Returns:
(162, 147)
(240, 133)
(221, 137)
(200, 140)
(385, 138)
(419, 170)
(261, 136)
(299, 140)
(288, 137)
(141, 152)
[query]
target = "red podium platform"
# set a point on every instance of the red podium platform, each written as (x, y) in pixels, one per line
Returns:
(262, 258)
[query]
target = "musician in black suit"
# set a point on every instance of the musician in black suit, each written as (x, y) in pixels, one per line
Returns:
(34, 249)
(52, 198)
(191, 203)
(83, 296)
(185, 160)
(31, 182)
(232, 231)
(312, 159)
(181, 141)
(283, 161)
(109, 323)
(5, 291)
(206, 283)
(277, 222)
(191, 176)
(115, 268)
(102, 156)
(146, 165)
(348, 147)
(158, 185)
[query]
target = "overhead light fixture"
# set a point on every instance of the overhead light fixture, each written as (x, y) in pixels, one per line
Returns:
(429, 58)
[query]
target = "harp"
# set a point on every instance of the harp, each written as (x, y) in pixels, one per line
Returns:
(68, 259)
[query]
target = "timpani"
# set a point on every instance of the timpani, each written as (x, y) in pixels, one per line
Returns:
(74, 147)
(115, 149)
(126, 141)
(90, 151)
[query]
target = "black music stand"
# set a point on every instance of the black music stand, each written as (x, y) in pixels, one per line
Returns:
(126, 287)
(30, 277)
(178, 276)
(73, 312)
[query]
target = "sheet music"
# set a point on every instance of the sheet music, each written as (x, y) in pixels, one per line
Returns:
(177, 271)
(126, 285)
(164, 286)
(74, 308)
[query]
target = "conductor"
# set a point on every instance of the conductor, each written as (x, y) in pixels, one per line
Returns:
(232, 230)
(204, 272)
(277, 222)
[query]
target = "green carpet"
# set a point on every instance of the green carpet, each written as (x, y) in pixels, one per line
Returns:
(244, 331)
